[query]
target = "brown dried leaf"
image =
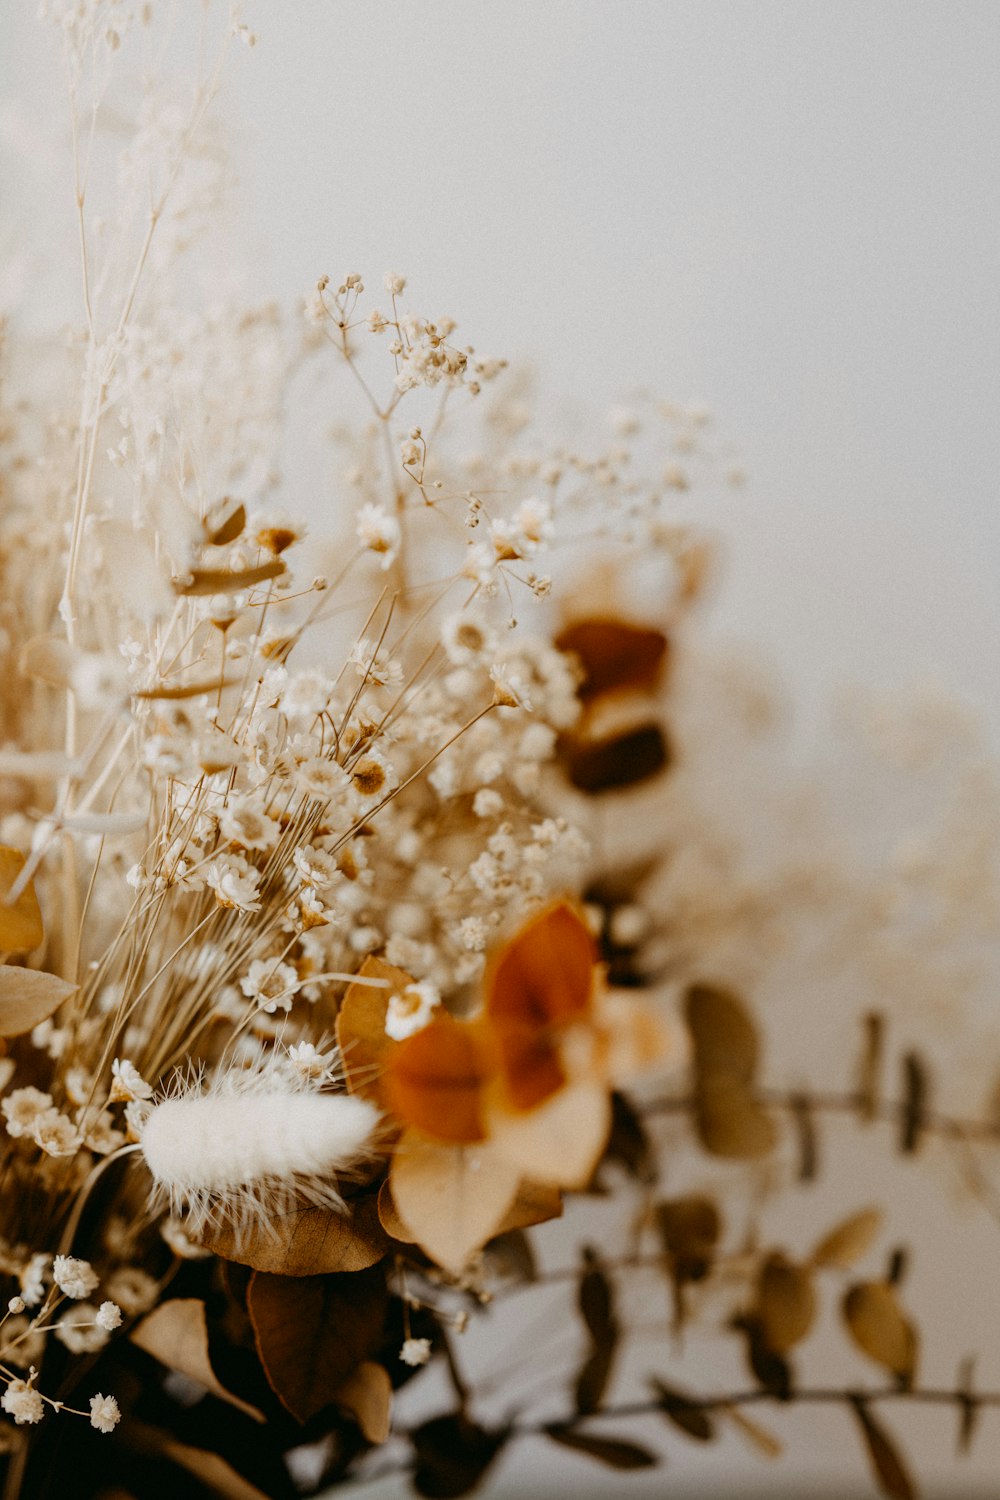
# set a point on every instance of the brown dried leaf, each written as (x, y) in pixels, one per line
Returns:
(805, 1129)
(870, 1070)
(389, 1218)
(21, 922)
(617, 761)
(312, 1332)
(848, 1242)
(222, 581)
(451, 1456)
(689, 1228)
(729, 1121)
(307, 1242)
(367, 1395)
(786, 1303)
(434, 1080)
(28, 997)
(614, 655)
(228, 530)
(880, 1328)
(916, 1086)
(613, 1452)
(596, 1301)
(722, 1032)
(760, 1438)
(451, 1198)
(595, 1372)
(176, 1334)
(536, 1203)
(887, 1463)
(361, 1036)
(693, 1420)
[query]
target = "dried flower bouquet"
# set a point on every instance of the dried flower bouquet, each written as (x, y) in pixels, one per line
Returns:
(323, 978)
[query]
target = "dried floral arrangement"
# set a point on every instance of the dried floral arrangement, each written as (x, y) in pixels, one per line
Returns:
(346, 932)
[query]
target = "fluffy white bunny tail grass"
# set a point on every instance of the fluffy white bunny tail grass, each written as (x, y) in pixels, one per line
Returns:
(251, 1144)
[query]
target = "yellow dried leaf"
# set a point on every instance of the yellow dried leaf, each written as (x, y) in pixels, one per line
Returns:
(451, 1198)
(20, 923)
(176, 1334)
(360, 1029)
(560, 1142)
(786, 1303)
(28, 997)
(367, 1395)
(879, 1327)
(849, 1241)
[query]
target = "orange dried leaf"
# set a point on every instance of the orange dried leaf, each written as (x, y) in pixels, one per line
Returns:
(434, 1080)
(560, 1142)
(21, 922)
(451, 1198)
(360, 1028)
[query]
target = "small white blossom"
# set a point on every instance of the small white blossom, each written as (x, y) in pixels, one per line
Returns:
(55, 1134)
(80, 1331)
(309, 1061)
(23, 1403)
(411, 1010)
(235, 883)
(77, 1278)
(242, 822)
(270, 984)
(109, 1316)
(127, 1082)
(415, 1352)
(379, 532)
(22, 1107)
(104, 1413)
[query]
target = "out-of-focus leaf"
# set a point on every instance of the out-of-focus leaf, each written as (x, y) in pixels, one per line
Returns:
(541, 980)
(969, 1407)
(770, 1368)
(560, 1142)
(434, 1080)
(595, 1299)
(693, 1420)
(849, 1241)
(629, 1141)
(367, 1395)
(361, 1035)
(805, 1129)
(616, 761)
(899, 1262)
(312, 1332)
(174, 692)
(451, 1198)
(916, 1086)
(28, 997)
(887, 1463)
(722, 1032)
(763, 1441)
(613, 1452)
(20, 922)
(512, 1258)
(880, 1328)
(308, 1241)
(202, 581)
(209, 1468)
(786, 1303)
(614, 655)
(176, 1334)
(594, 1374)
(229, 528)
(730, 1122)
(536, 1203)
(452, 1454)
(870, 1070)
(689, 1228)
(389, 1218)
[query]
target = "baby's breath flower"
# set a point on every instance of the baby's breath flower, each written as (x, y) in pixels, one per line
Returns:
(104, 1413)
(55, 1134)
(411, 1010)
(109, 1316)
(77, 1278)
(80, 1330)
(133, 1290)
(415, 1351)
(244, 823)
(379, 532)
(309, 1061)
(23, 1403)
(32, 1278)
